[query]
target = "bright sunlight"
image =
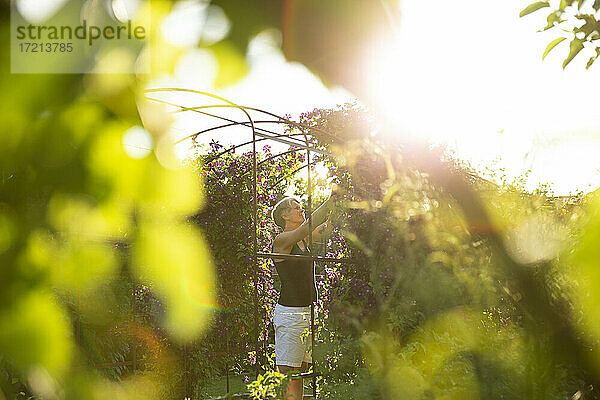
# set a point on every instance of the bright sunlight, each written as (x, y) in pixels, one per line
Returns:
(475, 81)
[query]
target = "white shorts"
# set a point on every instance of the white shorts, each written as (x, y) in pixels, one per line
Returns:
(292, 335)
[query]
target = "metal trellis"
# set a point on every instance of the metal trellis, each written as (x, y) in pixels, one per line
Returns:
(299, 142)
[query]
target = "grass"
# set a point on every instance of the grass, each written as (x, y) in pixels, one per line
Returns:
(218, 386)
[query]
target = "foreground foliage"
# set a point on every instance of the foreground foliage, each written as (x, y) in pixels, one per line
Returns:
(439, 303)
(577, 18)
(423, 310)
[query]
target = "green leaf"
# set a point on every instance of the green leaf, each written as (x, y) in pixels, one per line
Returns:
(576, 47)
(596, 5)
(551, 45)
(585, 257)
(232, 64)
(590, 62)
(534, 7)
(590, 25)
(593, 58)
(35, 333)
(554, 19)
(565, 3)
(174, 259)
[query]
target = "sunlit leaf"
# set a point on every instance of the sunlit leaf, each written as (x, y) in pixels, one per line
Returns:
(143, 181)
(553, 19)
(551, 45)
(459, 326)
(565, 3)
(81, 119)
(82, 266)
(232, 64)
(533, 7)
(590, 26)
(593, 58)
(576, 47)
(173, 259)
(163, 55)
(81, 217)
(176, 190)
(8, 229)
(112, 167)
(35, 332)
(40, 254)
(587, 274)
(398, 375)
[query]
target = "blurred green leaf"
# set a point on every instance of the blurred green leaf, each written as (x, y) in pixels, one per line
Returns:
(173, 258)
(232, 64)
(80, 217)
(585, 258)
(177, 191)
(250, 18)
(533, 7)
(82, 266)
(144, 182)
(8, 229)
(112, 167)
(398, 375)
(552, 45)
(36, 332)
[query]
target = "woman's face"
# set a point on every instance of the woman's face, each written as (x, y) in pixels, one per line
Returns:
(296, 213)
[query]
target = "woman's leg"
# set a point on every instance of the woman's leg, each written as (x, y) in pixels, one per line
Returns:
(290, 346)
(295, 390)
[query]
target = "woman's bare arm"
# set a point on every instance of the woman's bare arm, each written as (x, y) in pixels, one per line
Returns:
(322, 231)
(286, 240)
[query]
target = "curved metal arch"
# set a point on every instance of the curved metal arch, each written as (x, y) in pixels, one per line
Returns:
(276, 136)
(283, 120)
(229, 120)
(232, 148)
(266, 135)
(298, 125)
(194, 135)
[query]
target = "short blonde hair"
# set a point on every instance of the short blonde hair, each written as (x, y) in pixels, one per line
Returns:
(280, 209)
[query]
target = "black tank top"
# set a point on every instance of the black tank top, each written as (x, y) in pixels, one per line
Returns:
(297, 281)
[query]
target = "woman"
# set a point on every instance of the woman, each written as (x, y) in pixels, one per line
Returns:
(298, 291)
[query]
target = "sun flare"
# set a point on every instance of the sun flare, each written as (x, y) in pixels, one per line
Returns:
(453, 85)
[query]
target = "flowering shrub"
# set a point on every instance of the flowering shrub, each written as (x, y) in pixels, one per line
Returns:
(419, 311)
(422, 311)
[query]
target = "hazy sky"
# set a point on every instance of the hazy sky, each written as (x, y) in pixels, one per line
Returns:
(475, 79)
(466, 73)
